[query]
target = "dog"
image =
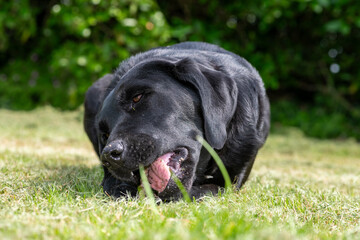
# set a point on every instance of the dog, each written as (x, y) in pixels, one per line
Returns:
(151, 109)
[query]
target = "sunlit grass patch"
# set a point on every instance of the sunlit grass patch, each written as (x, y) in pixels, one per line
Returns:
(300, 188)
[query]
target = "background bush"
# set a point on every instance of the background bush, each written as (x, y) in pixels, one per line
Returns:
(306, 51)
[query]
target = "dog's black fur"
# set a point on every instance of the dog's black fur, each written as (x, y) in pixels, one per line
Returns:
(185, 90)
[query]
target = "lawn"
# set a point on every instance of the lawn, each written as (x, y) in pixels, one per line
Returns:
(300, 188)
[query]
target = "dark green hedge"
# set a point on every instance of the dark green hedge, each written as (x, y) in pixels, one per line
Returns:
(306, 51)
(51, 51)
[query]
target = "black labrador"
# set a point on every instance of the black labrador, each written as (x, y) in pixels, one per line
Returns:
(151, 109)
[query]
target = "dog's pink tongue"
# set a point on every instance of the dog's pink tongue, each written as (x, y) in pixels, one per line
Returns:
(158, 173)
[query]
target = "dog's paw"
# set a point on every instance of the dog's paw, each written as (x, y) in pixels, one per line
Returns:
(114, 188)
(200, 191)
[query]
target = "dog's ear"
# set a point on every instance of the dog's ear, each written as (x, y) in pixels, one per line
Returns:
(94, 97)
(218, 94)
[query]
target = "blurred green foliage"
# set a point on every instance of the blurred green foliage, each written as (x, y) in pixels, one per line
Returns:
(51, 51)
(307, 51)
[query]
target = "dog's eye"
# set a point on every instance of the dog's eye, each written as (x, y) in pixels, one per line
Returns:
(137, 98)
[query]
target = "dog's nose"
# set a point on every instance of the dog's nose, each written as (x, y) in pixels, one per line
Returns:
(111, 154)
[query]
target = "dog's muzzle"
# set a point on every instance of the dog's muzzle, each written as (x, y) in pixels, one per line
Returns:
(111, 156)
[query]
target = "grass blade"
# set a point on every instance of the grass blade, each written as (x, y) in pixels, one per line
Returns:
(218, 161)
(181, 187)
(147, 188)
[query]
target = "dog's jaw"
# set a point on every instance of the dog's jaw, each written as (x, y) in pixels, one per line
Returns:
(129, 177)
(159, 172)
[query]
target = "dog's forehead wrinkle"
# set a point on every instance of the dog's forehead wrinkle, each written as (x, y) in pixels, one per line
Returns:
(108, 104)
(110, 112)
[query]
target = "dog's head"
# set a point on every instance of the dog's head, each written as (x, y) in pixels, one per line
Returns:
(152, 115)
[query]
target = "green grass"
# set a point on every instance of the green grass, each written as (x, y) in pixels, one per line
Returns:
(300, 188)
